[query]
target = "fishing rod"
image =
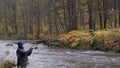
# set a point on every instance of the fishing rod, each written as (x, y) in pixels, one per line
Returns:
(40, 40)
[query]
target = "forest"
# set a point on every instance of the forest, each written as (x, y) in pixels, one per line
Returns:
(77, 33)
(69, 20)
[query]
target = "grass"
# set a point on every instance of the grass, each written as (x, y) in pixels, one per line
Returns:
(10, 37)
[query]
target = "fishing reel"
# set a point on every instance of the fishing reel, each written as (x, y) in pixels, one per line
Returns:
(34, 44)
(36, 47)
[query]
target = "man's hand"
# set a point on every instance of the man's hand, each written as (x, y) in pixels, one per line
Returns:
(33, 46)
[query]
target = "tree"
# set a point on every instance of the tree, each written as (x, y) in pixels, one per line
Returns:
(119, 11)
(90, 10)
(115, 15)
(72, 17)
(105, 12)
(100, 14)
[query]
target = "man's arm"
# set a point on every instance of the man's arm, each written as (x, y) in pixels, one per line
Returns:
(23, 52)
(28, 52)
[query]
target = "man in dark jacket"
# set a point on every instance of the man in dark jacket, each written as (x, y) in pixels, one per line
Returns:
(22, 55)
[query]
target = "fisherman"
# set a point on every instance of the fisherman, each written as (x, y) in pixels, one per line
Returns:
(22, 55)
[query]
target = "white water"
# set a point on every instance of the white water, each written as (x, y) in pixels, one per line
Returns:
(45, 57)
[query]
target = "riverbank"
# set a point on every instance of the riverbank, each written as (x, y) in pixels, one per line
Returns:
(103, 40)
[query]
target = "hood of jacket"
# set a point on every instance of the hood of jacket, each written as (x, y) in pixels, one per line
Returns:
(20, 44)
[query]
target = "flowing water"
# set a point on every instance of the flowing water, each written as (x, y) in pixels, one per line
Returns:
(45, 57)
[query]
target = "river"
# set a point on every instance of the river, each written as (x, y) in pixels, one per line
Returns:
(45, 57)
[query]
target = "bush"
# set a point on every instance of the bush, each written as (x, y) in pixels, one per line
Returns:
(8, 64)
(76, 38)
(98, 40)
(115, 34)
(31, 36)
(54, 44)
(11, 37)
(102, 40)
(15, 36)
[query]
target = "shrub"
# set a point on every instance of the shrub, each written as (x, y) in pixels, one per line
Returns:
(98, 40)
(11, 37)
(31, 36)
(8, 64)
(102, 39)
(15, 36)
(115, 34)
(76, 38)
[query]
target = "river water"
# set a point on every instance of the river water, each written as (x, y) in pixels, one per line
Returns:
(45, 57)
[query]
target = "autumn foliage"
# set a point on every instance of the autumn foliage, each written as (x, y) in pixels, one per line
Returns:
(103, 39)
(76, 38)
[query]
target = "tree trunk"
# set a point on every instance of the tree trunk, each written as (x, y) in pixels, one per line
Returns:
(119, 11)
(72, 19)
(115, 13)
(105, 13)
(81, 13)
(91, 20)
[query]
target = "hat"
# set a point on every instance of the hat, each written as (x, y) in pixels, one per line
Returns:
(20, 43)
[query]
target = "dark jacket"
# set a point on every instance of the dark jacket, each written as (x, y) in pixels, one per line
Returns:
(22, 56)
